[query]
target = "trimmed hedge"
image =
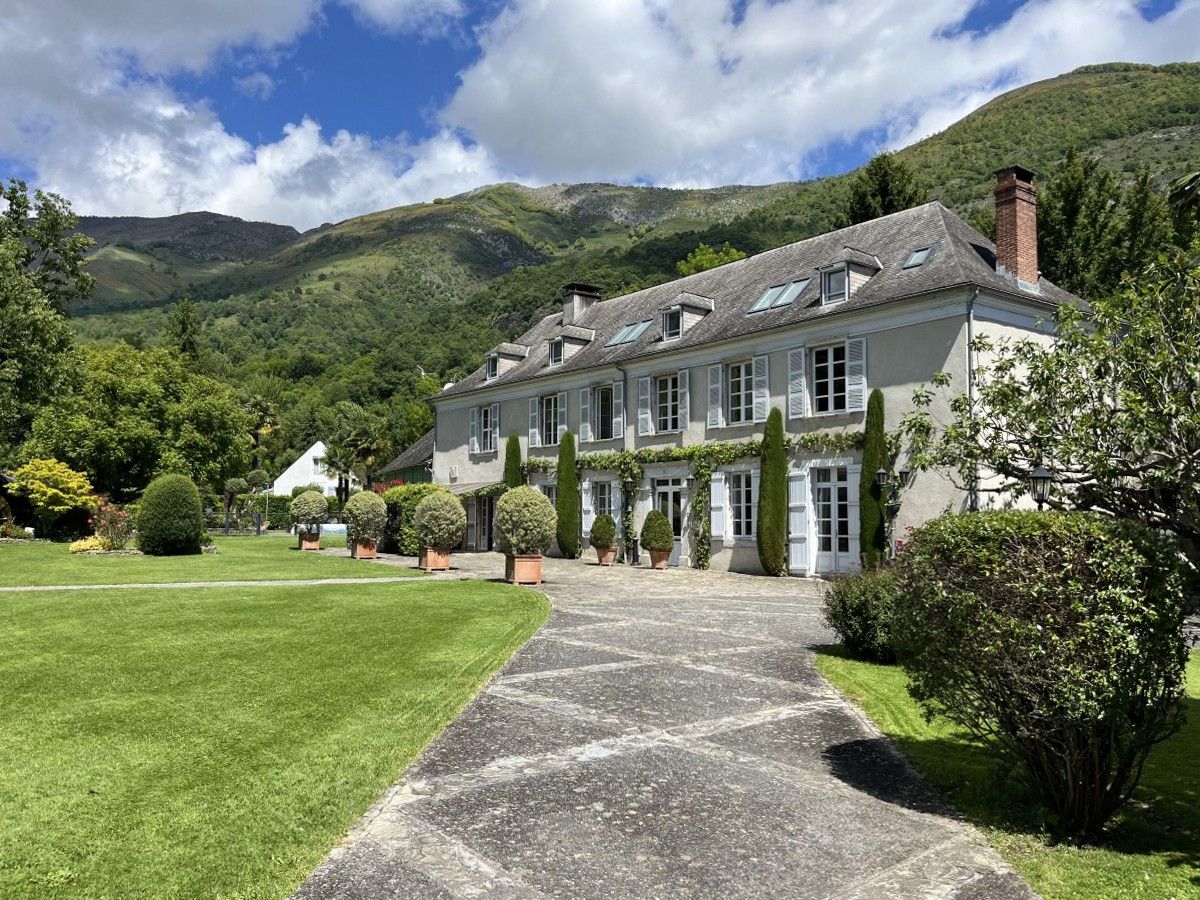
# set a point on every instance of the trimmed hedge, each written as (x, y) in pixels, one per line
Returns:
(657, 533)
(366, 517)
(859, 608)
(1057, 638)
(514, 475)
(276, 512)
(771, 523)
(170, 519)
(525, 521)
(402, 502)
(872, 510)
(440, 521)
(310, 510)
(567, 506)
(604, 532)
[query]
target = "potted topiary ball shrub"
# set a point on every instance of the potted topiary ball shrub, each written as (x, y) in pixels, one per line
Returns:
(366, 517)
(170, 518)
(658, 538)
(310, 510)
(440, 521)
(526, 522)
(604, 539)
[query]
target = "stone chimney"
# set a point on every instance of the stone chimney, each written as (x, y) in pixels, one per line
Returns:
(577, 298)
(1016, 226)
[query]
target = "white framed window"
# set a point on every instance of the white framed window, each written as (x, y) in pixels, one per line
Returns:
(741, 504)
(493, 367)
(829, 378)
(602, 418)
(551, 492)
(740, 390)
(602, 498)
(487, 428)
(672, 324)
(548, 419)
(833, 285)
(667, 405)
(556, 352)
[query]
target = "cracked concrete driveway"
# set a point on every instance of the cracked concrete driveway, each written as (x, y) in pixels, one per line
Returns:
(664, 735)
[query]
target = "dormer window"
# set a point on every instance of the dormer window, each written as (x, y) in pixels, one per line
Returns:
(917, 257)
(556, 352)
(672, 323)
(493, 367)
(833, 286)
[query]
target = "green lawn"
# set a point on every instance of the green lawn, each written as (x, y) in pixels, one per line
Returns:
(218, 742)
(1152, 849)
(270, 556)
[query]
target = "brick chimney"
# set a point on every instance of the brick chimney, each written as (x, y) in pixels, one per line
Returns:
(577, 298)
(1016, 225)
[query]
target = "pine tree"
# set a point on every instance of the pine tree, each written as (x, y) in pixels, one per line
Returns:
(871, 502)
(513, 476)
(185, 327)
(883, 186)
(771, 525)
(567, 505)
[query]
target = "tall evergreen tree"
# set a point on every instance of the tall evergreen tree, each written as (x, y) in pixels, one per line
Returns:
(513, 476)
(771, 524)
(185, 327)
(885, 185)
(872, 511)
(568, 507)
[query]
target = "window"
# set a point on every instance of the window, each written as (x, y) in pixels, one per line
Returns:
(602, 498)
(549, 419)
(833, 285)
(829, 378)
(917, 257)
(629, 333)
(780, 295)
(493, 367)
(741, 504)
(487, 430)
(602, 415)
(556, 352)
(741, 393)
(769, 296)
(668, 402)
(551, 492)
(672, 324)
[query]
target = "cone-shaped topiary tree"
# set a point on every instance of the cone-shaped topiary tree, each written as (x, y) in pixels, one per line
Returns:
(871, 511)
(771, 524)
(513, 476)
(567, 505)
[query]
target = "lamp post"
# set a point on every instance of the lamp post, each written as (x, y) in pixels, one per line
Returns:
(1039, 485)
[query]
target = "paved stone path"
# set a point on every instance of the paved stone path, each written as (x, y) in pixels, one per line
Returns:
(664, 735)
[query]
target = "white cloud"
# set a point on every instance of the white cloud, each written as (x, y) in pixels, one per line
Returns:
(408, 15)
(258, 85)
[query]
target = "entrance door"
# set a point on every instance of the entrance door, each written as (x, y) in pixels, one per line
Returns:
(487, 507)
(831, 511)
(668, 499)
(798, 561)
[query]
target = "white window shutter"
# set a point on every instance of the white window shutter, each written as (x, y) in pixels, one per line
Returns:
(645, 423)
(473, 443)
(685, 400)
(585, 415)
(754, 502)
(716, 506)
(853, 476)
(471, 518)
(618, 412)
(798, 522)
(495, 436)
(716, 407)
(586, 505)
(797, 384)
(534, 432)
(856, 374)
(562, 415)
(618, 507)
(762, 388)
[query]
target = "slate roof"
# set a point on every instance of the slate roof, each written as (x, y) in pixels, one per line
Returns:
(961, 257)
(416, 455)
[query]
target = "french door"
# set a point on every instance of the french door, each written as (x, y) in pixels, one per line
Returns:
(831, 517)
(668, 499)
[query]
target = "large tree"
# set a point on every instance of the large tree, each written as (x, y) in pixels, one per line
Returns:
(1111, 407)
(51, 250)
(883, 186)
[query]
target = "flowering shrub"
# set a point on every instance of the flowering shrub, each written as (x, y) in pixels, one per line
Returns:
(114, 524)
(440, 521)
(91, 544)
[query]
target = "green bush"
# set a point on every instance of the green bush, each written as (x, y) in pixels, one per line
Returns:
(402, 502)
(604, 532)
(1057, 637)
(871, 502)
(366, 517)
(859, 608)
(170, 520)
(567, 499)
(440, 521)
(275, 511)
(258, 479)
(657, 533)
(305, 488)
(525, 521)
(771, 523)
(514, 475)
(310, 510)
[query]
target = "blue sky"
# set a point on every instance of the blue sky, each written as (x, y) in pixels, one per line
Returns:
(304, 111)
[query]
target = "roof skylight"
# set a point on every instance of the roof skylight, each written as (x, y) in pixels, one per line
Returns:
(780, 295)
(917, 257)
(629, 333)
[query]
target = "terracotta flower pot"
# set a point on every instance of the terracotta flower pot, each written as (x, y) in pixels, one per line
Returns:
(364, 549)
(526, 570)
(435, 560)
(606, 555)
(309, 540)
(659, 558)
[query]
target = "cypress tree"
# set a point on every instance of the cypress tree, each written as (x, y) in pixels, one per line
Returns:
(771, 528)
(513, 476)
(871, 502)
(567, 505)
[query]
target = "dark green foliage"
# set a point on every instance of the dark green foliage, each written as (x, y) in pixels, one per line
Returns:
(887, 184)
(1055, 637)
(871, 503)
(275, 511)
(859, 608)
(185, 327)
(170, 520)
(305, 488)
(402, 502)
(657, 533)
(514, 476)
(771, 522)
(604, 532)
(567, 503)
